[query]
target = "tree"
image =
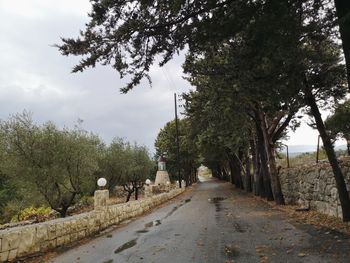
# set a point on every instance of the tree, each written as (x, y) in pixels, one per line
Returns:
(287, 50)
(7, 192)
(138, 170)
(343, 14)
(114, 162)
(338, 124)
(60, 163)
(166, 142)
(129, 36)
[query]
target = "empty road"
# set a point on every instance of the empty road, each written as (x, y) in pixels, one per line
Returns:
(213, 222)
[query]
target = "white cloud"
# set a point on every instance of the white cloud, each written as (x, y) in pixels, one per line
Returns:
(42, 9)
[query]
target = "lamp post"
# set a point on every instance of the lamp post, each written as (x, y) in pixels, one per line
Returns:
(101, 196)
(148, 191)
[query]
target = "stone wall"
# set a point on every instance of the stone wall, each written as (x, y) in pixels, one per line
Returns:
(27, 240)
(314, 185)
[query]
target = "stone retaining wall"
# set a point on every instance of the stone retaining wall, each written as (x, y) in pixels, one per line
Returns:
(27, 240)
(314, 185)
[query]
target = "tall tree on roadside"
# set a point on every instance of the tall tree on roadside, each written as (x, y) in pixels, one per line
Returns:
(338, 124)
(343, 14)
(166, 143)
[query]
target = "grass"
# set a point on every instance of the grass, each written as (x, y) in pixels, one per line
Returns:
(304, 158)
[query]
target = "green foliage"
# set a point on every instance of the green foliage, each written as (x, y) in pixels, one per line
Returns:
(338, 124)
(7, 192)
(38, 214)
(130, 39)
(42, 165)
(86, 201)
(121, 163)
(60, 164)
(166, 144)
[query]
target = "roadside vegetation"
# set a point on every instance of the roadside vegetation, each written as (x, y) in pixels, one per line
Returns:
(256, 67)
(44, 168)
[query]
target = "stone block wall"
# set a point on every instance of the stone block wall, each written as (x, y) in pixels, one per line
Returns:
(314, 185)
(19, 242)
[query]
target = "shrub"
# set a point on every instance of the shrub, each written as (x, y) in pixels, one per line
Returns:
(86, 201)
(38, 214)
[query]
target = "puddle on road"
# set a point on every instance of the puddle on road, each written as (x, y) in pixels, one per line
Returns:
(159, 221)
(108, 261)
(177, 207)
(142, 231)
(217, 202)
(216, 199)
(125, 246)
(171, 212)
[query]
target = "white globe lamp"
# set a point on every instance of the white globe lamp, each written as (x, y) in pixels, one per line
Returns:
(101, 182)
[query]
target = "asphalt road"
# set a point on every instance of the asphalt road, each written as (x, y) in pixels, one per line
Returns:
(213, 222)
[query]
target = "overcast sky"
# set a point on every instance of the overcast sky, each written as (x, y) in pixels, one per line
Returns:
(34, 76)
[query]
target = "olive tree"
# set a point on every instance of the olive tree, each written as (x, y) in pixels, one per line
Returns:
(60, 163)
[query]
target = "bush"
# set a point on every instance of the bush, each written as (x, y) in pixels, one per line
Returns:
(38, 214)
(86, 201)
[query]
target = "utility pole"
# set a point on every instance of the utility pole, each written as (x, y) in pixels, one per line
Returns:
(177, 142)
(288, 165)
(318, 148)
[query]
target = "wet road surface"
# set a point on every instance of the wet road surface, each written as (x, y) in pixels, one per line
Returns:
(213, 222)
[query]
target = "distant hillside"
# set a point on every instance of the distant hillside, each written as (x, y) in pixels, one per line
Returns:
(295, 150)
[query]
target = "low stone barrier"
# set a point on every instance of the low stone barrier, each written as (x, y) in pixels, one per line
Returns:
(19, 242)
(314, 185)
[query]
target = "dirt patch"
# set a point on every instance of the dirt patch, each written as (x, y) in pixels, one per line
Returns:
(231, 251)
(314, 218)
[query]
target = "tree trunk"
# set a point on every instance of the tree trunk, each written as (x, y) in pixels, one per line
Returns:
(129, 196)
(235, 168)
(264, 169)
(327, 144)
(275, 182)
(255, 160)
(232, 178)
(343, 14)
(136, 193)
(63, 211)
(248, 175)
(218, 171)
(224, 173)
(240, 167)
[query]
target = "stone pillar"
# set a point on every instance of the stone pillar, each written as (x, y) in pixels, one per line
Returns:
(100, 199)
(148, 190)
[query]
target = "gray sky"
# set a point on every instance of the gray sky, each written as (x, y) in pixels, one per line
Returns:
(34, 76)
